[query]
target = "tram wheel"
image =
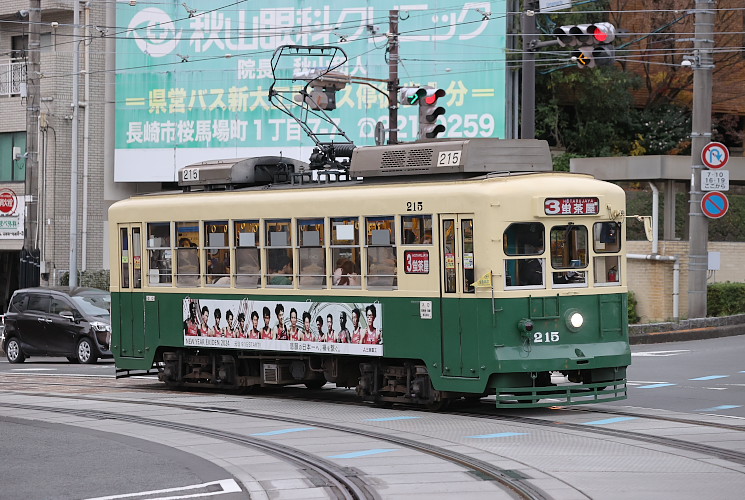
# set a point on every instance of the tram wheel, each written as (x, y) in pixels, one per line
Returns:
(438, 405)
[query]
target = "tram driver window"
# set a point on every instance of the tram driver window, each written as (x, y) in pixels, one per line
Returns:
(159, 252)
(524, 241)
(279, 253)
(569, 255)
(607, 239)
(247, 255)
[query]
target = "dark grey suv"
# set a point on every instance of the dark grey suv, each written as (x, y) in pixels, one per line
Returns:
(75, 323)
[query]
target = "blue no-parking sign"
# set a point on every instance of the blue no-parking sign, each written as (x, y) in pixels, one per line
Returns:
(714, 204)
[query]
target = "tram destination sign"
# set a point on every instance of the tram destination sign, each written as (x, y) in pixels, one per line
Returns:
(571, 206)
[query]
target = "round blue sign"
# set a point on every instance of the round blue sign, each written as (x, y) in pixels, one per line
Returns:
(714, 204)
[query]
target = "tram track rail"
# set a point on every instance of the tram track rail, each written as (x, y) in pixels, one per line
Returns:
(514, 483)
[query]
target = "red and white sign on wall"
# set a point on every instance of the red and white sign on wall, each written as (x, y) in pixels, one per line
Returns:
(416, 262)
(8, 202)
(572, 206)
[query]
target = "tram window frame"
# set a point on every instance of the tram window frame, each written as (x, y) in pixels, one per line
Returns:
(469, 265)
(217, 255)
(417, 230)
(160, 253)
(380, 245)
(136, 251)
(124, 257)
(345, 249)
(525, 242)
(577, 259)
(311, 253)
(279, 252)
(607, 270)
(606, 233)
(187, 254)
(247, 256)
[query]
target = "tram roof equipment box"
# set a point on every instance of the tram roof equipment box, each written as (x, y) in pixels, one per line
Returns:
(238, 172)
(457, 157)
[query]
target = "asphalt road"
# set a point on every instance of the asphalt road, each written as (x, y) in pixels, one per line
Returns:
(699, 376)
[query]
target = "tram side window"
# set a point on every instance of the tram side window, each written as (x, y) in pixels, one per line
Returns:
(381, 252)
(187, 253)
(279, 253)
(247, 255)
(345, 251)
(607, 239)
(569, 251)
(218, 252)
(311, 254)
(159, 252)
(416, 229)
(136, 258)
(124, 257)
(524, 241)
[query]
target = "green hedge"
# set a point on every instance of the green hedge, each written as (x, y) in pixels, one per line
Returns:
(631, 308)
(725, 299)
(93, 279)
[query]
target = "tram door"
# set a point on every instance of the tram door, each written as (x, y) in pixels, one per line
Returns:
(460, 336)
(128, 316)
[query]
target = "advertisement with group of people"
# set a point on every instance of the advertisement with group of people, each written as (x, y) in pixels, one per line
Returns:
(308, 327)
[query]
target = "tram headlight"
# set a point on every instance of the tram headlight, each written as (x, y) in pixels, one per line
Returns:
(574, 320)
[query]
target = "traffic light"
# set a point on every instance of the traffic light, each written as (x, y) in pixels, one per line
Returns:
(593, 42)
(428, 113)
(410, 96)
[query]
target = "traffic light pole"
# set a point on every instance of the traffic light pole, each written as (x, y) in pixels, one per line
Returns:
(527, 114)
(701, 134)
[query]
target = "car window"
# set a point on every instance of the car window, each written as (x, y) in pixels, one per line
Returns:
(59, 304)
(92, 305)
(38, 303)
(18, 303)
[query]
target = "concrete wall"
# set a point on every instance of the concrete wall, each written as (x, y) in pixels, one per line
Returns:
(652, 281)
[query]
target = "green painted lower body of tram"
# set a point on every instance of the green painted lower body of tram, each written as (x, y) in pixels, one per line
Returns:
(532, 351)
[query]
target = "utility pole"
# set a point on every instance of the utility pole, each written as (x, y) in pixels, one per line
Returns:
(393, 77)
(74, 161)
(527, 115)
(33, 72)
(698, 238)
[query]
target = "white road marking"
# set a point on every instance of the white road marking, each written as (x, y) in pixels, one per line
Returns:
(659, 353)
(226, 485)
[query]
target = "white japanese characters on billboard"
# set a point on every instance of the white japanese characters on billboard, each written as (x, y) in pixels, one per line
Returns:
(193, 85)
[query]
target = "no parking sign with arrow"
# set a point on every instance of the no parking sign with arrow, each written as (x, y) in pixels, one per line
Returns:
(714, 204)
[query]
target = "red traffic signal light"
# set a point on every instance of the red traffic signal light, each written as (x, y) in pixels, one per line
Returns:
(585, 34)
(602, 32)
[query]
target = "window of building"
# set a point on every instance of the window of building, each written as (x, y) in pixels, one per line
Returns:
(218, 252)
(345, 251)
(524, 241)
(311, 254)
(159, 253)
(279, 253)
(381, 252)
(12, 166)
(247, 254)
(569, 252)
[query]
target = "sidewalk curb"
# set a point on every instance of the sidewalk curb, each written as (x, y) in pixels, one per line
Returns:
(693, 329)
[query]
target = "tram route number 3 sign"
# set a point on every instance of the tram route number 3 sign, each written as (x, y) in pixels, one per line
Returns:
(416, 261)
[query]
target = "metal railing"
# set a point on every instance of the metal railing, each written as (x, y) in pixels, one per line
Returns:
(12, 78)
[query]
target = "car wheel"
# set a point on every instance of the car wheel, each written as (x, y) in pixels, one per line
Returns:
(13, 351)
(86, 352)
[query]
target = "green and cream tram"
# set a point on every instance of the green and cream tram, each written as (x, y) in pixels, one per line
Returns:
(454, 269)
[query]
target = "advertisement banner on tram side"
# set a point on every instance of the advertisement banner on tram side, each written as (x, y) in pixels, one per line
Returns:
(303, 327)
(192, 82)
